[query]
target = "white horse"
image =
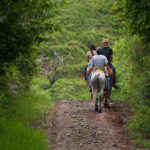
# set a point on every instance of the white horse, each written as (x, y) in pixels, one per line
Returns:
(98, 83)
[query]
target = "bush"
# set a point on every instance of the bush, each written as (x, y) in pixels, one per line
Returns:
(18, 111)
(139, 128)
(22, 26)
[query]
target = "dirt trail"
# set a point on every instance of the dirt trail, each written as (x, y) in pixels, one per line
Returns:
(73, 125)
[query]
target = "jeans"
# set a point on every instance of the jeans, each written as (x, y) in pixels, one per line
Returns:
(108, 79)
(90, 78)
(85, 73)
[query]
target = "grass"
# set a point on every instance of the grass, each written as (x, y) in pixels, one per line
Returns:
(139, 128)
(15, 125)
(70, 89)
(16, 136)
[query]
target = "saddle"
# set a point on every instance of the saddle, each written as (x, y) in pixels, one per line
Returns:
(107, 78)
(99, 70)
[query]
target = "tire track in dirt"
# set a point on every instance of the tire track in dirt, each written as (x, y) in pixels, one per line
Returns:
(73, 125)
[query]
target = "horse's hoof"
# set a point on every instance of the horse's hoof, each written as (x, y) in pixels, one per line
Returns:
(96, 108)
(105, 105)
(100, 110)
(108, 105)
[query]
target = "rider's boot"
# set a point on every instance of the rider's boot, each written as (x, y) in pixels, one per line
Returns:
(115, 86)
(114, 83)
(96, 107)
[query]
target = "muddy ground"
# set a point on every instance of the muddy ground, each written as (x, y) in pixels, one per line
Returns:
(74, 125)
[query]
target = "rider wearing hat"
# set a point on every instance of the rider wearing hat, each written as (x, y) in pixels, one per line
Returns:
(107, 51)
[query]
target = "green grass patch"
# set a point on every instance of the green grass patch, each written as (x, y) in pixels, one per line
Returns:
(17, 113)
(70, 89)
(16, 136)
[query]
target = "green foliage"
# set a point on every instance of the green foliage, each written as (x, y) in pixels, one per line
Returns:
(134, 74)
(70, 89)
(16, 136)
(139, 127)
(40, 86)
(137, 14)
(22, 25)
(82, 23)
(17, 111)
(132, 70)
(25, 24)
(118, 9)
(132, 65)
(135, 62)
(27, 106)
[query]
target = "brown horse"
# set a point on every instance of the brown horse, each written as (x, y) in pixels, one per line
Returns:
(107, 94)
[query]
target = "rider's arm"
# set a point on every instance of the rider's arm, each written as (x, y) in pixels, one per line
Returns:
(87, 58)
(111, 54)
(111, 58)
(89, 71)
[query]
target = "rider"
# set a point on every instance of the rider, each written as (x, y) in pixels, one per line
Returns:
(89, 56)
(98, 62)
(107, 51)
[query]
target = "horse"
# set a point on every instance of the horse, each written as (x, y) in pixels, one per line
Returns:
(98, 83)
(107, 94)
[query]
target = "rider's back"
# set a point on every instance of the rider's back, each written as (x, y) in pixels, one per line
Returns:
(91, 54)
(99, 62)
(106, 51)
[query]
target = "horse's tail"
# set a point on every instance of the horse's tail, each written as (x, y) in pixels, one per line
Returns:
(96, 80)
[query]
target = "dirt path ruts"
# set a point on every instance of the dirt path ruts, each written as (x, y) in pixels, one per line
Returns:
(73, 125)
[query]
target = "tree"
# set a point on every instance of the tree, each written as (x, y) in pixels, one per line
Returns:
(138, 16)
(53, 68)
(22, 24)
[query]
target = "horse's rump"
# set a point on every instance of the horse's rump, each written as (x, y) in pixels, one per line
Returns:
(98, 80)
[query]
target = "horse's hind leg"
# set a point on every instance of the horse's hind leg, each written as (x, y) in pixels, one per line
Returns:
(96, 105)
(94, 96)
(107, 95)
(100, 101)
(106, 103)
(100, 106)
